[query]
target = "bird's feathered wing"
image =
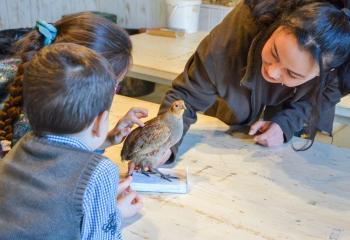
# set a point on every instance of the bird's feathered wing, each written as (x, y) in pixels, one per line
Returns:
(146, 139)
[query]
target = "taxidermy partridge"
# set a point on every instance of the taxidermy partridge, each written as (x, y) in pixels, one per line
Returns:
(144, 146)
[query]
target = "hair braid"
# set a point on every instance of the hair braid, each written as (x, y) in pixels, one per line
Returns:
(12, 108)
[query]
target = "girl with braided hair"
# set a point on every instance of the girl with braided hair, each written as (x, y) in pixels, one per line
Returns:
(68, 87)
(274, 59)
(84, 29)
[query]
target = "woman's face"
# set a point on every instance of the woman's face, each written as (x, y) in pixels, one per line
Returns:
(284, 62)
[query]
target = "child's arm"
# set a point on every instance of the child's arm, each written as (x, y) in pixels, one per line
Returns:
(102, 214)
(101, 217)
(124, 125)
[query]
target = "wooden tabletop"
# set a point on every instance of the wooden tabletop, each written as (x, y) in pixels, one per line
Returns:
(342, 110)
(161, 59)
(239, 190)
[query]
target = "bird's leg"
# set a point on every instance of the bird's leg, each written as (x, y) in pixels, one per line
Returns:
(143, 171)
(167, 177)
(146, 169)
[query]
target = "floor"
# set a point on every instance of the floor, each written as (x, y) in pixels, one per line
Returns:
(341, 131)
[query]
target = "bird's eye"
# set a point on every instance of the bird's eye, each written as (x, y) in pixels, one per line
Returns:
(176, 105)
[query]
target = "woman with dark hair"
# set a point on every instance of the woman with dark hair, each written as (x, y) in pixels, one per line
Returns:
(271, 58)
(87, 29)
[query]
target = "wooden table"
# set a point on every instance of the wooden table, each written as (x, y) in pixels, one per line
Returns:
(161, 59)
(342, 110)
(239, 190)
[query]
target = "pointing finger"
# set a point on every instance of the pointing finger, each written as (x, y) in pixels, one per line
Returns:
(124, 184)
(131, 168)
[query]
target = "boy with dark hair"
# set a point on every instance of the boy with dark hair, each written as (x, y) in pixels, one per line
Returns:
(52, 183)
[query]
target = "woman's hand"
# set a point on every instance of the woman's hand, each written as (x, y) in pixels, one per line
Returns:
(124, 126)
(271, 133)
(129, 201)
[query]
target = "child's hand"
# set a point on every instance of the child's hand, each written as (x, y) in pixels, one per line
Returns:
(124, 125)
(129, 202)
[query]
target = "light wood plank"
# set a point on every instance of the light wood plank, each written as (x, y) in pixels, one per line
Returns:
(130, 13)
(3, 15)
(162, 57)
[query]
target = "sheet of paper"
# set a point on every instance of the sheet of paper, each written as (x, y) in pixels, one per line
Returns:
(154, 183)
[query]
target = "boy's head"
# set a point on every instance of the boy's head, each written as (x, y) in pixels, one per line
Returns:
(65, 87)
(86, 29)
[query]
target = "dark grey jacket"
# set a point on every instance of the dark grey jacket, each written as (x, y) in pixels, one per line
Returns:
(223, 79)
(343, 74)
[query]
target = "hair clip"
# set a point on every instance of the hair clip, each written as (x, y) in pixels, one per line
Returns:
(48, 30)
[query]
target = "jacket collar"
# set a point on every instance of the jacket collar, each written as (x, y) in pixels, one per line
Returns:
(252, 78)
(253, 73)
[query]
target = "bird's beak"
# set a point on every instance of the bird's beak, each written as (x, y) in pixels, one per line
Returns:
(184, 107)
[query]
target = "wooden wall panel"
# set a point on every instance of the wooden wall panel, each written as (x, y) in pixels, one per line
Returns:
(141, 13)
(24, 13)
(211, 15)
(130, 13)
